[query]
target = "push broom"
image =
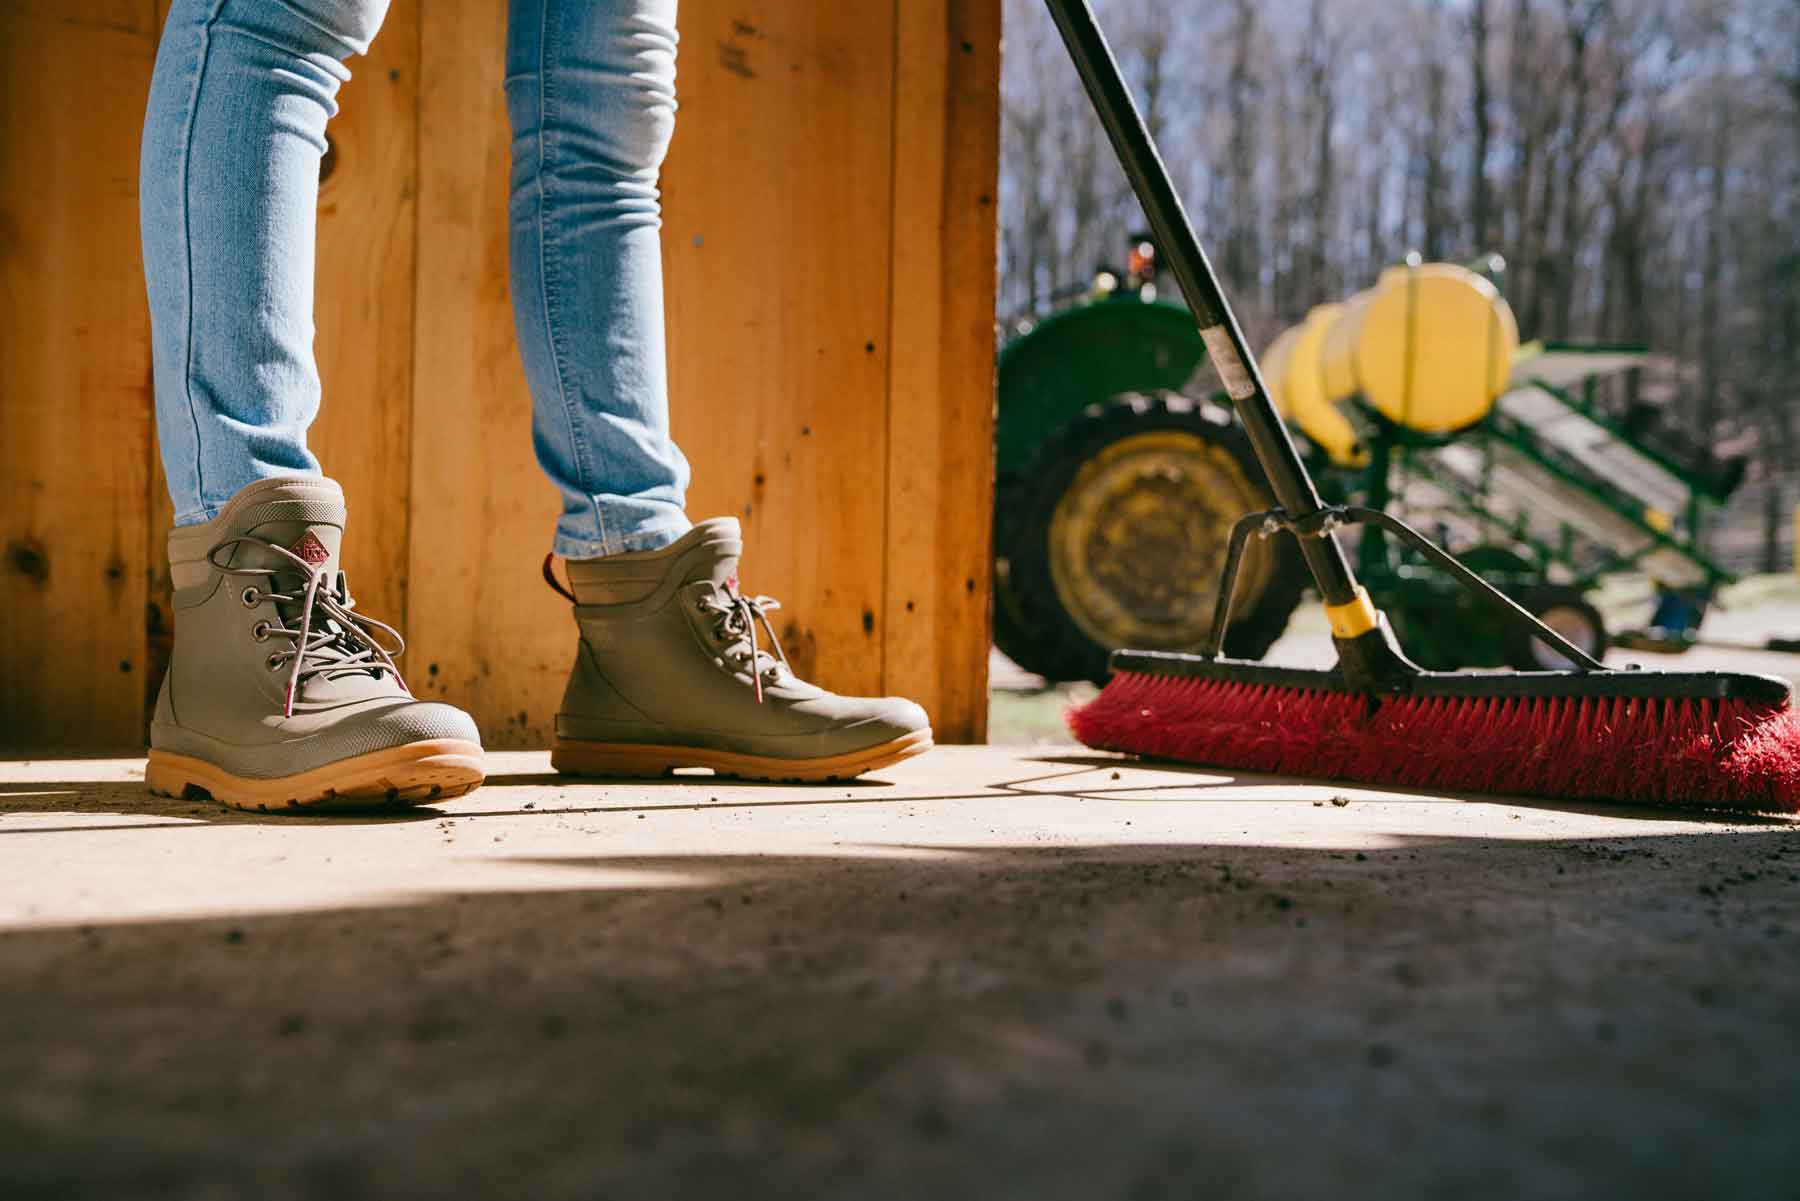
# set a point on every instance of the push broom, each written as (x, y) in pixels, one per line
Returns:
(1681, 738)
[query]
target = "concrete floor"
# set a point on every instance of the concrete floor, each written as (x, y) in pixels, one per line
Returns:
(988, 973)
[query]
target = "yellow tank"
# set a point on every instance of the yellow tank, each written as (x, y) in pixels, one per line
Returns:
(1337, 346)
(1429, 347)
(1292, 371)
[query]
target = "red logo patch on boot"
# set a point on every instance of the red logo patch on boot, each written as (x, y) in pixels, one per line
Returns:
(311, 549)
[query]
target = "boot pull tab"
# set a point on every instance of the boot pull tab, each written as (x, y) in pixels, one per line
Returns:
(556, 584)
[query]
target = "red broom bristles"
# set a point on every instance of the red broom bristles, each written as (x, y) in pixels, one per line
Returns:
(1718, 754)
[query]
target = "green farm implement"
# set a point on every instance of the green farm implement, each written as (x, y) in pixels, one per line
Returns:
(1119, 478)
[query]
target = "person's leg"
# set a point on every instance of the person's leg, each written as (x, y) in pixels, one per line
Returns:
(229, 186)
(278, 693)
(675, 666)
(590, 88)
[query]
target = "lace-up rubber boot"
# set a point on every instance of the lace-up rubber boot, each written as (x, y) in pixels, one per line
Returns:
(280, 695)
(677, 668)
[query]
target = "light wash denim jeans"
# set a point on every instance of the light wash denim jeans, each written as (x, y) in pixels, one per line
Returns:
(233, 138)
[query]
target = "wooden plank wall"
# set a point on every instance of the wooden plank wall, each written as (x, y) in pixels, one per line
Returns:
(74, 372)
(829, 247)
(940, 390)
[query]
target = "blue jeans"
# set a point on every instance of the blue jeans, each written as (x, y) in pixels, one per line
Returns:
(233, 138)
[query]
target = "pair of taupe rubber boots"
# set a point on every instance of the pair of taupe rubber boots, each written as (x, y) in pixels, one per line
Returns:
(281, 696)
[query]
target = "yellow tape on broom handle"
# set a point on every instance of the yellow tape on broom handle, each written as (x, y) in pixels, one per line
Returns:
(1354, 618)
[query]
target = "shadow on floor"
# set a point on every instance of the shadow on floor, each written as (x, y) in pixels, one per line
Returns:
(1202, 778)
(132, 798)
(1448, 1017)
(677, 793)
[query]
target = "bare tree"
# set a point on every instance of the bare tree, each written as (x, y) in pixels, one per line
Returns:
(1243, 97)
(1480, 108)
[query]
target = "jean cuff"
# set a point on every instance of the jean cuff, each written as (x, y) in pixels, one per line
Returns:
(652, 534)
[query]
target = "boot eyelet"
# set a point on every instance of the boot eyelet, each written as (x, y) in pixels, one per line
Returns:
(274, 662)
(251, 598)
(260, 631)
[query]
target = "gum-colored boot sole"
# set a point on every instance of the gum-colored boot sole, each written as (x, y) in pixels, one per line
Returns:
(635, 761)
(434, 769)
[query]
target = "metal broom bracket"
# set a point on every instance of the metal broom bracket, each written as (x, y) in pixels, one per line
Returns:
(1321, 522)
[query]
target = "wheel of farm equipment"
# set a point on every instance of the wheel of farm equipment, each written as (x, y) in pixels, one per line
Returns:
(1441, 627)
(1116, 535)
(1567, 612)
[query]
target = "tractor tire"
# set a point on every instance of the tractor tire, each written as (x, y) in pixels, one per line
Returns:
(1567, 612)
(1116, 534)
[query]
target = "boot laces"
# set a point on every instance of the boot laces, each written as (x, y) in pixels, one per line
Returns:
(736, 617)
(332, 638)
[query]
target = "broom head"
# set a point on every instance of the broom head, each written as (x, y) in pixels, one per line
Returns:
(1709, 739)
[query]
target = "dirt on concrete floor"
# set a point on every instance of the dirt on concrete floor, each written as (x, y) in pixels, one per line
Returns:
(994, 975)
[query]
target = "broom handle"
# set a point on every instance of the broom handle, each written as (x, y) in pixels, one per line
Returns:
(1225, 344)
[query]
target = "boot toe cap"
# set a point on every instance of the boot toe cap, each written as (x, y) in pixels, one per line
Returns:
(419, 721)
(888, 718)
(906, 717)
(381, 728)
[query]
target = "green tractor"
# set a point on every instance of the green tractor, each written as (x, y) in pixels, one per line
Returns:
(1118, 484)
